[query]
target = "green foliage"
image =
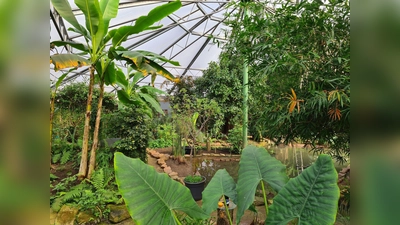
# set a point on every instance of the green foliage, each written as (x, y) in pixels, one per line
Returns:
(304, 47)
(311, 197)
(235, 138)
(193, 179)
(73, 97)
(163, 137)
(221, 184)
(315, 190)
(257, 165)
(133, 127)
(159, 196)
(89, 195)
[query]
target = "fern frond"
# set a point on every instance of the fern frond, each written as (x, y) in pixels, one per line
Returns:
(98, 179)
(65, 157)
(56, 157)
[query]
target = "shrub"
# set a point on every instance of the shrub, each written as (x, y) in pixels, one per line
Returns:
(235, 138)
(133, 127)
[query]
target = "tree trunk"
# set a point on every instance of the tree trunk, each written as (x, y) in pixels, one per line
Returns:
(92, 161)
(83, 166)
(51, 120)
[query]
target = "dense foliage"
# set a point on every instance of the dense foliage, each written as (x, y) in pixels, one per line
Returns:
(300, 67)
(132, 125)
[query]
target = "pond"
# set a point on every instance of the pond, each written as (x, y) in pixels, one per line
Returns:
(208, 166)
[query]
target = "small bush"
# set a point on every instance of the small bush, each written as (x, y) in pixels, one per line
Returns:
(132, 125)
(235, 138)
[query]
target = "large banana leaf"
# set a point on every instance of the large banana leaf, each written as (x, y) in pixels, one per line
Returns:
(91, 10)
(152, 197)
(256, 164)
(312, 197)
(62, 61)
(73, 44)
(64, 9)
(152, 102)
(145, 22)
(221, 184)
(143, 64)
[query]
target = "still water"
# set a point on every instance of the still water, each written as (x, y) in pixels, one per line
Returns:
(208, 166)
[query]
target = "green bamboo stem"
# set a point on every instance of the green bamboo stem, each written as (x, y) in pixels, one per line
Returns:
(265, 198)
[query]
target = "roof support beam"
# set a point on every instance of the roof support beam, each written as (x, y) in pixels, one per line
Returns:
(196, 56)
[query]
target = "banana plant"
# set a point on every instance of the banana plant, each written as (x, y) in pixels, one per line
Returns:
(310, 198)
(97, 35)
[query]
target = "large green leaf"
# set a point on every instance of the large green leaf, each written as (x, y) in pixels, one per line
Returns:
(108, 10)
(64, 9)
(110, 76)
(221, 184)
(157, 56)
(62, 61)
(121, 79)
(153, 103)
(152, 197)
(73, 44)
(312, 197)
(91, 10)
(145, 22)
(255, 165)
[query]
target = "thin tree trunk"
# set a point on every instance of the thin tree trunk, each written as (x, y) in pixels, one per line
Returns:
(51, 121)
(92, 161)
(83, 166)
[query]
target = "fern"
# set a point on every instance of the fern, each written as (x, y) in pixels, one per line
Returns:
(65, 157)
(56, 157)
(98, 180)
(53, 177)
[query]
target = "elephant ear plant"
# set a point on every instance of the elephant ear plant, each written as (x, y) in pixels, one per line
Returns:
(311, 198)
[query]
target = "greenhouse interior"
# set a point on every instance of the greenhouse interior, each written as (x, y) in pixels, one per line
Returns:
(200, 112)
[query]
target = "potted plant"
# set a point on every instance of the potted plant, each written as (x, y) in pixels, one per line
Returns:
(196, 184)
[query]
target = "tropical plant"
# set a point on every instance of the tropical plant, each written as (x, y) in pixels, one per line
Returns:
(310, 198)
(101, 60)
(299, 58)
(157, 204)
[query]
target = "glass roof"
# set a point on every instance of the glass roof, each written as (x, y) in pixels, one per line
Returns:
(187, 36)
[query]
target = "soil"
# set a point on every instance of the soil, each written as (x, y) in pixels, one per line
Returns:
(62, 171)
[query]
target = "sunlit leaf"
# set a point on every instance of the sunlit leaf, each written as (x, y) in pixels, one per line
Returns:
(62, 61)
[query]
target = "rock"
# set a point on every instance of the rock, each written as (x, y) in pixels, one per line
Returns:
(187, 155)
(155, 154)
(197, 173)
(175, 177)
(164, 157)
(213, 154)
(167, 170)
(85, 218)
(118, 213)
(53, 216)
(206, 154)
(125, 222)
(237, 160)
(160, 161)
(222, 154)
(258, 201)
(66, 215)
(173, 174)
(163, 165)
